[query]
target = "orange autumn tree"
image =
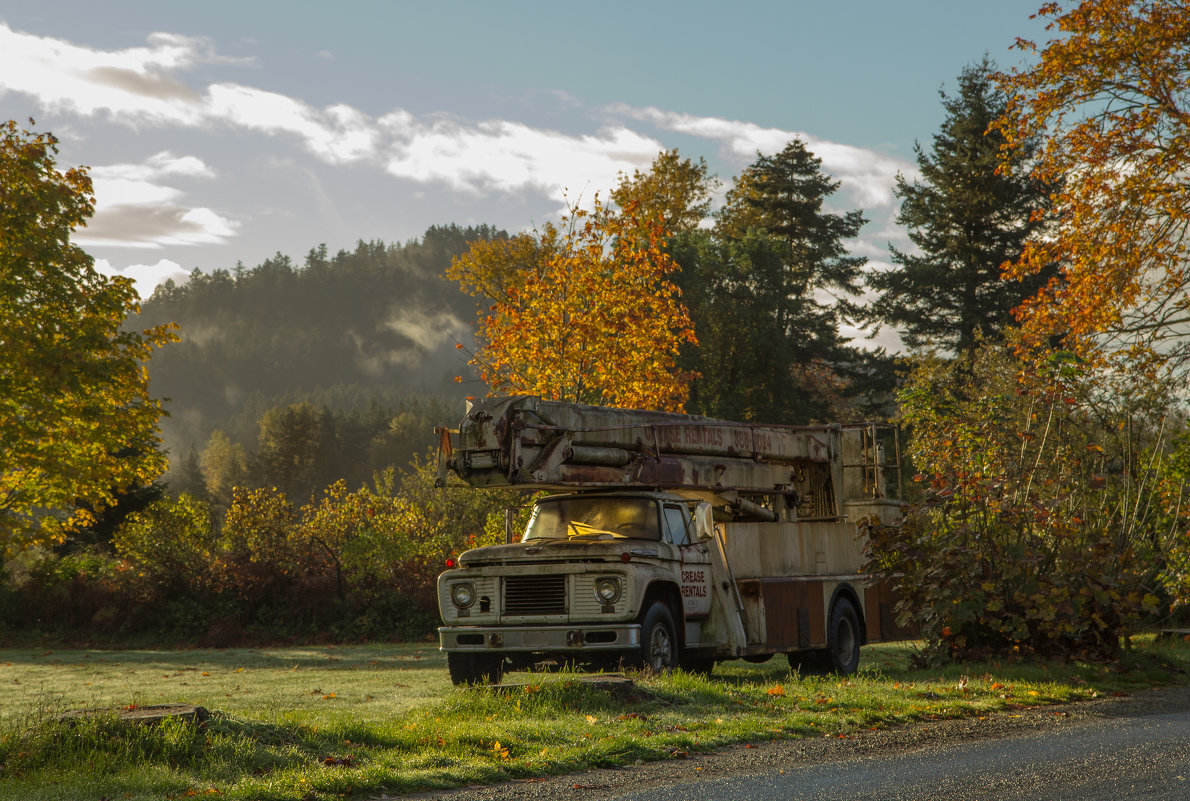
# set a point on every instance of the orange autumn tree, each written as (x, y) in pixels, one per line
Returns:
(1110, 98)
(583, 311)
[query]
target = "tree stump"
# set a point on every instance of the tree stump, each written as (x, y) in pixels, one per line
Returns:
(145, 715)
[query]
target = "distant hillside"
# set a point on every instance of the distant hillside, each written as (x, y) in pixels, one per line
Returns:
(373, 327)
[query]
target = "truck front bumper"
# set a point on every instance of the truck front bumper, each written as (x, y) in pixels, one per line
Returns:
(553, 639)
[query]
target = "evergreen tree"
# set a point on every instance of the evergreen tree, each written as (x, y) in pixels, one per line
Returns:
(771, 347)
(967, 218)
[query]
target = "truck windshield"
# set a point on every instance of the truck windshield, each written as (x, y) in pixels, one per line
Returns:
(594, 518)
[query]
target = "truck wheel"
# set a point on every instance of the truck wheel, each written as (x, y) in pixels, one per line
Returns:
(843, 638)
(475, 668)
(658, 644)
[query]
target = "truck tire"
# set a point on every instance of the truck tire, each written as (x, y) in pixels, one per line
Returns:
(843, 638)
(475, 668)
(658, 643)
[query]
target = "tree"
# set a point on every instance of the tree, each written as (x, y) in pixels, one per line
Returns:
(78, 422)
(224, 466)
(783, 195)
(764, 292)
(1109, 99)
(582, 312)
(296, 451)
(968, 216)
(676, 190)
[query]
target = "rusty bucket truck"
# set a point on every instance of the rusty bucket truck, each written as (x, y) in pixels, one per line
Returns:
(675, 540)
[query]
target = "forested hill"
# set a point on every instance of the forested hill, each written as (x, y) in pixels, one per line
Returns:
(374, 328)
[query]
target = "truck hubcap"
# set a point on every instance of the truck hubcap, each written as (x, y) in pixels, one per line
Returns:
(660, 649)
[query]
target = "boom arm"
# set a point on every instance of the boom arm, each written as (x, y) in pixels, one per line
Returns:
(534, 443)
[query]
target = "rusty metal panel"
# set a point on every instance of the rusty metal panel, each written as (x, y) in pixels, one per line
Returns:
(794, 613)
(533, 442)
(873, 609)
(755, 625)
(780, 612)
(880, 598)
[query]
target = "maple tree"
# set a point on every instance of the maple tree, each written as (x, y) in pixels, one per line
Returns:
(675, 189)
(78, 422)
(1109, 97)
(583, 311)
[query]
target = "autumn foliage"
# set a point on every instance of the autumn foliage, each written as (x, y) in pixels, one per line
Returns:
(583, 311)
(1109, 97)
(78, 424)
(347, 565)
(1047, 515)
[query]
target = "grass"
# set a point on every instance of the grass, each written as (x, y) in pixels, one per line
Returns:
(341, 722)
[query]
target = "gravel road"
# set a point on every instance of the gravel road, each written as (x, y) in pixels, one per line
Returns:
(718, 769)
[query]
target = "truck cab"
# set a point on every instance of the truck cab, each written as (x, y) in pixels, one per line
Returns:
(580, 585)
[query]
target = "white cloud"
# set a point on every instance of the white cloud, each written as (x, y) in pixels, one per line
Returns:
(146, 276)
(134, 208)
(338, 134)
(133, 82)
(136, 86)
(505, 156)
(867, 176)
(143, 205)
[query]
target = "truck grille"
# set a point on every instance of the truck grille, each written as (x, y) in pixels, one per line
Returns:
(535, 595)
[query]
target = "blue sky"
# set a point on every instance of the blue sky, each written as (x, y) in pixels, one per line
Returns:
(220, 132)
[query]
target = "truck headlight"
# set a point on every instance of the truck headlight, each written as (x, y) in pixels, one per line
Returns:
(607, 589)
(462, 594)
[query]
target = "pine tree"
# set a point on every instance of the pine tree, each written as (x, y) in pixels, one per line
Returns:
(779, 257)
(967, 218)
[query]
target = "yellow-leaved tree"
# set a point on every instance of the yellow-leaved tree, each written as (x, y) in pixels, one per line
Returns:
(77, 424)
(1109, 97)
(583, 311)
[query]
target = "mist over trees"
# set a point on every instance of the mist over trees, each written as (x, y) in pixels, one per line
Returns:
(362, 340)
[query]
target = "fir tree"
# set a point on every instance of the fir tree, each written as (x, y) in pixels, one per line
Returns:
(967, 218)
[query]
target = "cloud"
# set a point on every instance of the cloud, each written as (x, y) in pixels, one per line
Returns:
(146, 276)
(137, 86)
(503, 156)
(135, 209)
(338, 134)
(133, 83)
(142, 205)
(155, 226)
(867, 176)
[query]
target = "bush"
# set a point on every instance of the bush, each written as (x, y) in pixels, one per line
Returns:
(350, 565)
(1043, 526)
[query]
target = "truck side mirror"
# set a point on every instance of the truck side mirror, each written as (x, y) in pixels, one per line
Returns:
(509, 524)
(704, 524)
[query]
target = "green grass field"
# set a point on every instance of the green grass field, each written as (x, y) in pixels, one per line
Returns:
(342, 722)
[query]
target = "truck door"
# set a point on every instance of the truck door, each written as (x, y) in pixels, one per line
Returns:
(696, 562)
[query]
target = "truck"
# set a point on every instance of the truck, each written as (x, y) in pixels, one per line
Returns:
(661, 540)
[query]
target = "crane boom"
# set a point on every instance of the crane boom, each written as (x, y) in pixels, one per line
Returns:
(533, 443)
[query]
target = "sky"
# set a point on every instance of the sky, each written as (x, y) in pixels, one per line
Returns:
(220, 132)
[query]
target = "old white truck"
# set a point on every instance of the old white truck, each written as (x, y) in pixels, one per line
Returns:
(679, 541)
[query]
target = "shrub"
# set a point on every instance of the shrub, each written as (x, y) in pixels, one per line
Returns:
(1042, 526)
